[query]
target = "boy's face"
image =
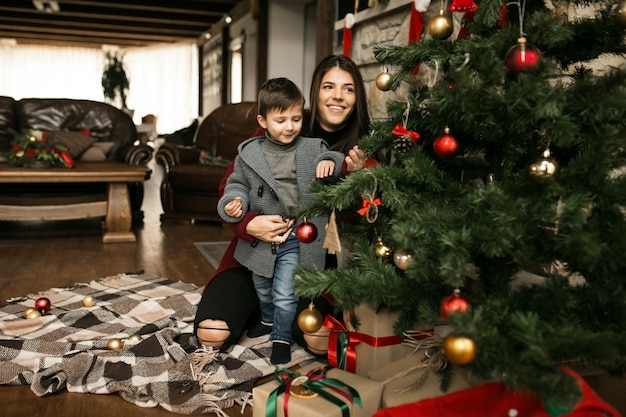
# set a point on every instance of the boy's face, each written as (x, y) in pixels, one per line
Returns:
(283, 126)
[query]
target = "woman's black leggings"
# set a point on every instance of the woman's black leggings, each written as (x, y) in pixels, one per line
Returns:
(231, 297)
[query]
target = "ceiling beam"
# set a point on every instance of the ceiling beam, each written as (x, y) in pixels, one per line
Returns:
(117, 22)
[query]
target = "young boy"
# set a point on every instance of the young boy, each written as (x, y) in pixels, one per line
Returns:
(272, 175)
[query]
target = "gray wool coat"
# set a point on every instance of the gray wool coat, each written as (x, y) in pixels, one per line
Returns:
(252, 180)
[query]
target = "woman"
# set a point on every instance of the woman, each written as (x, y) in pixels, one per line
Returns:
(339, 115)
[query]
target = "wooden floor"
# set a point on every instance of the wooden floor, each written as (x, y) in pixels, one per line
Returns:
(36, 257)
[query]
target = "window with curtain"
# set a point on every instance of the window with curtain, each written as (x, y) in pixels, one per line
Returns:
(163, 79)
(236, 69)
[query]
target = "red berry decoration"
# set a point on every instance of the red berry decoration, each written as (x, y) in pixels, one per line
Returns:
(522, 57)
(67, 160)
(452, 303)
(43, 304)
(306, 232)
(445, 146)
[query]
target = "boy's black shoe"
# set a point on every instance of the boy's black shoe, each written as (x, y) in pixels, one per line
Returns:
(281, 353)
(259, 329)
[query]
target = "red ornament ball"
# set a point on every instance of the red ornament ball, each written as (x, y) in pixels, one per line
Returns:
(522, 57)
(43, 304)
(306, 232)
(452, 303)
(445, 146)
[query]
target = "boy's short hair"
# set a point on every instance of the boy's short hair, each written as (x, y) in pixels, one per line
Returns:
(279, 94)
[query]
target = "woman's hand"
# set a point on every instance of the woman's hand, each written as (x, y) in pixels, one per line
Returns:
(355, 160)
(269, 228)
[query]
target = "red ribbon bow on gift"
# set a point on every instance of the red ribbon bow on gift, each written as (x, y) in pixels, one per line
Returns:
(400, 130)
(342, 343)
(367, 204)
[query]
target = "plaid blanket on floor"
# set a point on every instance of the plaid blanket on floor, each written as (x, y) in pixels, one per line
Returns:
(66, 348)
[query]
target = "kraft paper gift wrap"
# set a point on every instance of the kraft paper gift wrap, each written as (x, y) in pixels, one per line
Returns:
(402, 383)
(369, 391)
(376, 346)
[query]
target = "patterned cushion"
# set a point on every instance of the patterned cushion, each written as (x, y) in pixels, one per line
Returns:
(76, 142)
(97, 152)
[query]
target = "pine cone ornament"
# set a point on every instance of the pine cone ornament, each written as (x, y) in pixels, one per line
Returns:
(403, 143)
(423, 109)
(405, 139)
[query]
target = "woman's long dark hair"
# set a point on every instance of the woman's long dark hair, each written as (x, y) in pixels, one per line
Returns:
(359, 121)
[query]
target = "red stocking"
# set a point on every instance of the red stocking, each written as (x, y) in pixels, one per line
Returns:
(467, 19)
(463, 6)
(347, 34)
(417, 24)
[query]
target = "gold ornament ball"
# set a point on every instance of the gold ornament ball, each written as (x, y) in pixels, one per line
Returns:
(382, 81)
(115, 344)
(134, 338)
(310, 320)
(544, 169)
(459, 350)
(89, 301)
(34, 314)
(402, 258)
(29, 311)
(620, 13)
(441, 26)
(381, 250)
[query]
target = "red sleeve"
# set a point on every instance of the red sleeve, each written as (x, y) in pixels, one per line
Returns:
(239, 229)
(344, 168)
(370, 162)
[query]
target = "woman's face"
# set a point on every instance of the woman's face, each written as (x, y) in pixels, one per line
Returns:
(336, 99)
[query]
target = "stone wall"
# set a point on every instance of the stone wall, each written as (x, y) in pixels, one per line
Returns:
(383, 25)
(389, 24)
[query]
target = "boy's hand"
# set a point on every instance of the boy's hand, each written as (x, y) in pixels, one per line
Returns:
(233, 207)
(324, 169)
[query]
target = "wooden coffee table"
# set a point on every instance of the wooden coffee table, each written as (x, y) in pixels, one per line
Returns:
(115, 208)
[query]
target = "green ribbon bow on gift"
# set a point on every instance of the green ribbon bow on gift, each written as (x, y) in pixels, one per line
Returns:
(316, 381)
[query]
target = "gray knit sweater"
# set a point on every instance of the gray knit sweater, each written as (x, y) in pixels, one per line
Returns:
(252, 180)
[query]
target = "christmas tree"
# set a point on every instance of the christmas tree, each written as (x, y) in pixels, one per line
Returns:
(505, 181)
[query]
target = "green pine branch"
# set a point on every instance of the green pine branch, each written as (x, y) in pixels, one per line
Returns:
(482, 220)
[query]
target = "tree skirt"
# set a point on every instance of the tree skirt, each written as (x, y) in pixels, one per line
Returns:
(66, 348)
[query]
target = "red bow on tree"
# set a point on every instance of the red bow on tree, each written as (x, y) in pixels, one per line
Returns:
(400, 130)
(367, 204)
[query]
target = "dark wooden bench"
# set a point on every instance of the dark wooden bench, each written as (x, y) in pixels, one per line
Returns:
(114, 206)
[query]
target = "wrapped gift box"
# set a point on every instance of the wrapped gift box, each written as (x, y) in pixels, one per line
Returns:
(369, 391)
(394, 392)
(378, 324)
